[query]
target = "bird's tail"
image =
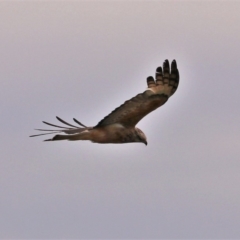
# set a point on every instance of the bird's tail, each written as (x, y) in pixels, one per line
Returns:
(73, 133)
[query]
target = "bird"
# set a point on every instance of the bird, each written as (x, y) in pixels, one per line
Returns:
(120, 125)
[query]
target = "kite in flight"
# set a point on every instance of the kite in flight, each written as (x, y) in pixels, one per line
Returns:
(120, 125)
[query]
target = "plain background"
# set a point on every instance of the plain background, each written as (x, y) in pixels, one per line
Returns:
(83, 59)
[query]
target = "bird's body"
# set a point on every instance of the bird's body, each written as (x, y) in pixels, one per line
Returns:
(119, 125)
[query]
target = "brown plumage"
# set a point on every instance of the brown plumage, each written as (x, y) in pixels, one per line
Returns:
(119, 125)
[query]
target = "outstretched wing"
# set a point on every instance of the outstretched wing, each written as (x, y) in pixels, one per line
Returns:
(72, 129)
(158, 92)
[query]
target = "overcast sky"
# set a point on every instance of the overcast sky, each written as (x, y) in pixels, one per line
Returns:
(84, 59)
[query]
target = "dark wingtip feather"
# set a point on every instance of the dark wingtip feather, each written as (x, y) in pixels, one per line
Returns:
(150, 82)
(166, 63)
(150, 78)
(174, 65)
(166, 67)
(159, 70)
(159, 75)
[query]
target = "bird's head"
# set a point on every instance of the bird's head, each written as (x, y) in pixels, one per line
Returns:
(140, 136)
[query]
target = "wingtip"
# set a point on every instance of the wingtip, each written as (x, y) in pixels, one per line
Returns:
(150, 78)
(166, 67)
(159, 70)
(150, 81)
(174, 65)
(166, 62)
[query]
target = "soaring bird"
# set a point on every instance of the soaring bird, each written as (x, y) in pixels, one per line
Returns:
(120, 125)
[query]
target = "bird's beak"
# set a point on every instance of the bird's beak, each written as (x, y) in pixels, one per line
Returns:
(145, 142)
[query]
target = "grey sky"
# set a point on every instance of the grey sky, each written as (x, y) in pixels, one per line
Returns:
(84, 59)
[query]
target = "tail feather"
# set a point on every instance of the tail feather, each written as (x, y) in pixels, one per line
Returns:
(81, 124)
(72, 132)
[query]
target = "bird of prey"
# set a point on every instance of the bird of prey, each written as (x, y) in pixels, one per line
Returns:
(120, 125)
